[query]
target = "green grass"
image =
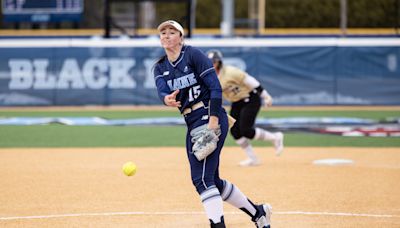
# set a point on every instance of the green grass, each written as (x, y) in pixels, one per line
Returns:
(113, 114)
(90, 136)
(104, 114)
(375, 115)
(56, 135)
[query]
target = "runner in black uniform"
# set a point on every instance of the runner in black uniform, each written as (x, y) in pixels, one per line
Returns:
(246, 95)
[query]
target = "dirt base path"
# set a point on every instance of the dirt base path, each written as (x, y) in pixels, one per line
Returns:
(86, 188)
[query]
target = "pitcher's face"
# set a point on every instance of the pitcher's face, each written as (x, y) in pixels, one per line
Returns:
(170, 38)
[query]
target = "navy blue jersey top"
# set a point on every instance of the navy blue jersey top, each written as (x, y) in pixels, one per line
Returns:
(193, 74)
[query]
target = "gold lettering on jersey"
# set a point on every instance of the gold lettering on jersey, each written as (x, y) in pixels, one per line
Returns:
(182, 82)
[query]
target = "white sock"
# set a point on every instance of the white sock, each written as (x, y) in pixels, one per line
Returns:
(264, 135)
(236, 198)
(212, 202)
(244, 143)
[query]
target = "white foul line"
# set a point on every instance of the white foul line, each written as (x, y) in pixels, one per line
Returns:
(188, 213)
(335, 214)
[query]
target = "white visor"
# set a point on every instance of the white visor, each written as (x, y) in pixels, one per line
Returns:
(172, 23)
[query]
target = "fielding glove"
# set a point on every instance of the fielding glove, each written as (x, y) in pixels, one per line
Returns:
(204, 141)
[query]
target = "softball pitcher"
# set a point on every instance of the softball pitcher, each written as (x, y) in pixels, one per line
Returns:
(246, 95)
(186, 79)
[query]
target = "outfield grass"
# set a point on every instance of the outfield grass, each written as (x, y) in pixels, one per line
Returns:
(115, 114)
(112, 114)
(56, 135)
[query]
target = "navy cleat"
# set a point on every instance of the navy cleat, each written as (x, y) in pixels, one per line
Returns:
(218, 225)
(262, 219)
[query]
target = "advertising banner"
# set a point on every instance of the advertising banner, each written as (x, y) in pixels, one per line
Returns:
(87, 72)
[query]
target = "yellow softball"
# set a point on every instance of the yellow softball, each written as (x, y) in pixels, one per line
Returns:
(129, 168)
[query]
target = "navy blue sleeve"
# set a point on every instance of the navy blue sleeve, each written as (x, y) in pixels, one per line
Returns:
(207, 74)
(162, 87)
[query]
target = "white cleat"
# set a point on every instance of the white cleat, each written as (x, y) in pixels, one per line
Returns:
(265, 220)
(249, 162)
(278, 143)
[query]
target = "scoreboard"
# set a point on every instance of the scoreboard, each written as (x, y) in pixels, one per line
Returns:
(41, 10)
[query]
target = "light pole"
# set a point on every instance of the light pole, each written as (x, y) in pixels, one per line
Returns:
(343, 17)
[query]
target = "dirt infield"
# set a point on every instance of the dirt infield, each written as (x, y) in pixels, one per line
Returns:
(86, 188)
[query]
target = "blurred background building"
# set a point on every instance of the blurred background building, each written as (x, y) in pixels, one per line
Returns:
(102, 52)
(212, 17)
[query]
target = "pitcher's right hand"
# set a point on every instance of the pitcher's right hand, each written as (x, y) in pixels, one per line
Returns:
(170, 100)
